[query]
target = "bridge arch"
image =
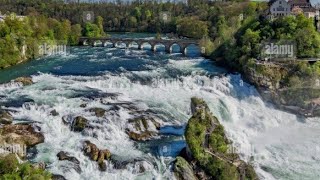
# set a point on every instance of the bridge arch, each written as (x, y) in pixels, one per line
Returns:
(120, 44)
(108, 44)
(96, 43)
(143, 45)
(171, 48)
(191, 48)
(133, 44)
(85, 42)
(158, 45)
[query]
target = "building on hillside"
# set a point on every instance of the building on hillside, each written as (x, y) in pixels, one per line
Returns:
(305, 6)
(279, 8)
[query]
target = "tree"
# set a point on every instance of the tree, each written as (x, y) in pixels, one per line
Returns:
(91, 30)
(75, 34)
(191, 27)
(99, 23)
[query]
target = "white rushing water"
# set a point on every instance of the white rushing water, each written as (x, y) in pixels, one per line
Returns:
(283, 146)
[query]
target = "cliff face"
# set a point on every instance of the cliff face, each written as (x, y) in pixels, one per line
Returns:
(207, 149)
(271, 81)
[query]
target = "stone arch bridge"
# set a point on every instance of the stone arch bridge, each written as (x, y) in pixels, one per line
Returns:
(168, 44)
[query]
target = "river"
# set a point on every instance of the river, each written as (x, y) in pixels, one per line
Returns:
(283, 146)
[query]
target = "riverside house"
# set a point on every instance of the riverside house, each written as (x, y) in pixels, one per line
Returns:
(279, 8)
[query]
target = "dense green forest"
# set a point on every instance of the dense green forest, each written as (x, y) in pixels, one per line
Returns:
(21, 39)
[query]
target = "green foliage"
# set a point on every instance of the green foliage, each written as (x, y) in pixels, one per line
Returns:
(92, 30)
(217, 140)
(196, 129)
(99, 23)
(20, 38)
(207, 45)
(192, 27)
(10, 169)
(75, 34)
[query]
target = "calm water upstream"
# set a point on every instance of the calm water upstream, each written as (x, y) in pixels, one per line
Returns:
(283, 146)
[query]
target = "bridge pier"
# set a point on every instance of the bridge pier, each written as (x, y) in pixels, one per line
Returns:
(168, 49)
(153, 47)
(183, 48)
(139, 46)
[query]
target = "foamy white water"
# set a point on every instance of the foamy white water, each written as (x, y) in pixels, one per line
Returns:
(283, 146)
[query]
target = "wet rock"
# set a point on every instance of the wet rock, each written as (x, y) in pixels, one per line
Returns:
(139, 165)
(83, 105)
(91, 150)
(39, 165)
(67, 119)
(198, 104)
(99, 112)
(5, 117)
(114, 108)
(22, 135)
(143, 136)
(57, 177)
(183, 170)
(185, 154)
(92, 94)
(201, 128)
(79, 124)
(24, 80)
(63, 156)
(143, 166)
(142, 128)
(54, 113)
(95, 154)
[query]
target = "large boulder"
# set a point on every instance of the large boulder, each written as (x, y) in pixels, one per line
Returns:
(20, 136)
(99, 112)
(54, 113)
(79, 124)
(139, 165)
(142, 128)
(208, 146)
(95, 154)
(64, 156)
(5, 117)
(183, 170)
(24, 80)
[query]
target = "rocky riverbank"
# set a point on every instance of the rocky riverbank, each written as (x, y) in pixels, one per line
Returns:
(207, 153)
(275, 84)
